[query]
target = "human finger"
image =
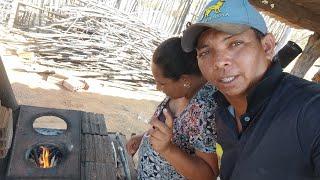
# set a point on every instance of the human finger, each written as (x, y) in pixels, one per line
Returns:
(156, 124)
(169, 119)
(157, 134)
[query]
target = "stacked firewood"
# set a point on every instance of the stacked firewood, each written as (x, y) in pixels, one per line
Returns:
(95, 38)
(6, 130)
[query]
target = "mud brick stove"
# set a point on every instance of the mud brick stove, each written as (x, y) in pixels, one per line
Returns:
(84, 151)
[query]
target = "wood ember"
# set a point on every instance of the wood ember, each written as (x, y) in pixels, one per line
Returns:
(98, 39)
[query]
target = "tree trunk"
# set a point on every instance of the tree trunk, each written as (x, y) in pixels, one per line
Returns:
(316, 77)
(309, 55)
(13, 14)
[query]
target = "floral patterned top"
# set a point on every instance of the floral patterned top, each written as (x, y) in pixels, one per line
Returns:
(194, 129)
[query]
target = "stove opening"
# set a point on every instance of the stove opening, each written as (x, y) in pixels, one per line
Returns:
(45, 156)
(50, 125)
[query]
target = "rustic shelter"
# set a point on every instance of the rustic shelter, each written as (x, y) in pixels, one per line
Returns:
(299, 14)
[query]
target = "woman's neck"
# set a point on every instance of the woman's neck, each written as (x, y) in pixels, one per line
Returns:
(177, 106)
(197, 82)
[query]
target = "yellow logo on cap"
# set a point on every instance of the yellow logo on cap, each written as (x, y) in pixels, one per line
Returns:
(216, 8)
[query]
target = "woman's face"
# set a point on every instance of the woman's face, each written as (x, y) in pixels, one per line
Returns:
(172, 88)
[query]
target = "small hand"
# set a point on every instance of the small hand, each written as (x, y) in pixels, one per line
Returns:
(133, 144)
(161, 133)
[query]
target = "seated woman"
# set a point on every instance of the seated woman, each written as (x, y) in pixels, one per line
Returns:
(192, 135)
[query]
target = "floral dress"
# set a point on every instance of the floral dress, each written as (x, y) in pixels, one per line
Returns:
(193, 130)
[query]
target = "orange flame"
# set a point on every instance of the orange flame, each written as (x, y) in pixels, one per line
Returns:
(44, 158)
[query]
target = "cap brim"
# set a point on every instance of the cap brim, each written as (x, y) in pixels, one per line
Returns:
(192, 33)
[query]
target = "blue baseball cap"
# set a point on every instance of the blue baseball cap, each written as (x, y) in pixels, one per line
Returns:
(230, 16)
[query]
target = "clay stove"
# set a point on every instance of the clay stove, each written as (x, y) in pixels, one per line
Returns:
(84, 151)
(29, 145)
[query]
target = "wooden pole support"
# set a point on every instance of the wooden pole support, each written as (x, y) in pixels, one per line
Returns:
(316, 77)
(309, 55)
(6, 94)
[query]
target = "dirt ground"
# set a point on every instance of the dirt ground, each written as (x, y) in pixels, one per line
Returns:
(126, 112)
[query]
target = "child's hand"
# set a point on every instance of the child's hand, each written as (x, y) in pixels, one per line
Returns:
(133, 144)
(161, 133)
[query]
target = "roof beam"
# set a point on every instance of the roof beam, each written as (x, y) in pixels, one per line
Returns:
(290, 13)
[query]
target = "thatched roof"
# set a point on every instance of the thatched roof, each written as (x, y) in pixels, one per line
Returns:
(299, 13)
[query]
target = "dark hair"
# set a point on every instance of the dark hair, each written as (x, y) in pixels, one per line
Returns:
(173, 61)
(259, 34)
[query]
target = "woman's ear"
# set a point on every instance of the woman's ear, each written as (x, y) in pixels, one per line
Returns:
(268, 43)
(185, 79)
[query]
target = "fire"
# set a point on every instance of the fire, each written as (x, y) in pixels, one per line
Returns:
(45, 156)
(44, 159)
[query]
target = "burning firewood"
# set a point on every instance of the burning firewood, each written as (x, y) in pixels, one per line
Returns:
(45, 156)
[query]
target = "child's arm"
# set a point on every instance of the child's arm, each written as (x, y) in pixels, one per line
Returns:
(201, 166)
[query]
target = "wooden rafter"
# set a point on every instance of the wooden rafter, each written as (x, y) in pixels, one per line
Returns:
(291, 12)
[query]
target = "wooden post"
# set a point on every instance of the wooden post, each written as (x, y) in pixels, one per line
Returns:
(118, 4)
(309, 55)
(6, 94)
(13, 13)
